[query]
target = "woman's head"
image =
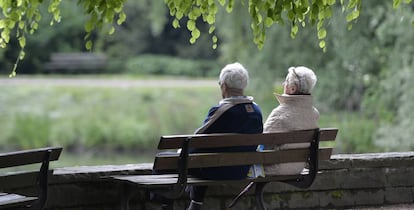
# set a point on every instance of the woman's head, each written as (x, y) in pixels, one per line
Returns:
(299, 81)
(234, 76)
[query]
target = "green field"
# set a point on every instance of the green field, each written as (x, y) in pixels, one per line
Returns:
(117, 123)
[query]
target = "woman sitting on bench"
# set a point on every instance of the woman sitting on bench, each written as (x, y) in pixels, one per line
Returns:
(295, 112)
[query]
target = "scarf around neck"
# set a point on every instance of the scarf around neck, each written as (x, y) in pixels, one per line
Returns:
(225, 104)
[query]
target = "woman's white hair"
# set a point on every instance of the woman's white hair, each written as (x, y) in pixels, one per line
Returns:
(235, 76)
(303, 77)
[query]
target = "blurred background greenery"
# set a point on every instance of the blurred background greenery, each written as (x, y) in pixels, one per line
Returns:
(364, 81)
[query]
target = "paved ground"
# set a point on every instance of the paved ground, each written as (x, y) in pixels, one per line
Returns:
(391, 207)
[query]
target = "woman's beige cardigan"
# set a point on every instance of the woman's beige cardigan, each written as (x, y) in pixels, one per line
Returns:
(295, 112)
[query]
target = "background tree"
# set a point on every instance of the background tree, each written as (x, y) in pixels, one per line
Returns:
(23, 16)
(365, 72)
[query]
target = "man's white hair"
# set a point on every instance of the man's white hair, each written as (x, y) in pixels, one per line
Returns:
(235, 76)
(303, 77)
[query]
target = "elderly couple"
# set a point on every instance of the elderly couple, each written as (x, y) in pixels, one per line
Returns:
(237, 113)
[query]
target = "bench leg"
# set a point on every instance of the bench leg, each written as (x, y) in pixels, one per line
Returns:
(244, 191)
(259, 195)
(169, 206)
(127, 194)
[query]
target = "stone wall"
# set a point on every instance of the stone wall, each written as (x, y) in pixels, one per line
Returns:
(345, 181)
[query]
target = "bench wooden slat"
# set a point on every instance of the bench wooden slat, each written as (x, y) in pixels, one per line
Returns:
(26, 157)
(328, 134)
(325, 153)
(229, 140)
(14, 200)
(201, 160)
(153, 181)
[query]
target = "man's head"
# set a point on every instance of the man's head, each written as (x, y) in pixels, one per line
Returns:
(233, 79)
(299, 81)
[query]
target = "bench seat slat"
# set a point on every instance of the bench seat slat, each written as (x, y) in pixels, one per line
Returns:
(152, 181)
(13, 200)
(231, 139)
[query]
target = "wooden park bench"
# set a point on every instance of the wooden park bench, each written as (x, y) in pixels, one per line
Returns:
(173, 185)
(11, 200)
(76, 62)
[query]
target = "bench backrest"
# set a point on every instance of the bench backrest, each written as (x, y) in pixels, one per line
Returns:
(199, 160)
(27, 157)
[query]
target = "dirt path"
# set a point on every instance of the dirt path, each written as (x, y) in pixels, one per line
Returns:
(106, 82)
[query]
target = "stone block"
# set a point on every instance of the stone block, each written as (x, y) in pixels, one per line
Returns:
(369, 197)
(303, 200)
(399, 177)
(336, 198)
(399, 195)
(330, 179)
(362, 178)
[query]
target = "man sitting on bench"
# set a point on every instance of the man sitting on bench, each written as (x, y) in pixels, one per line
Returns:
(235, 113)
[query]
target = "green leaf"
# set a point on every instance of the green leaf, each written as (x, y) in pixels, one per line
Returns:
(211, 29)
(322, 44)
(2, 24)
(191, 25)
(22, 54)
(291, 15)
(122, 18)
(396, 3)
(176, 23)
(195, 33)
(13, 73)
(22, 42)
(88, 45)
(294, 31)
(5, 35)
(214, 38)
(210, 19)
(268, 22)
(322, 33)
(22, 24)
(352, 16)
(352, 4)
(331, 2)
(111, 30)
(179, 14)
(230, 6)
(89, 26)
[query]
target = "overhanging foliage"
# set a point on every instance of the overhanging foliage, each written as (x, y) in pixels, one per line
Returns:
(20, 17)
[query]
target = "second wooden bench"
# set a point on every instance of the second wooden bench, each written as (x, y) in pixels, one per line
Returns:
(172, 185)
